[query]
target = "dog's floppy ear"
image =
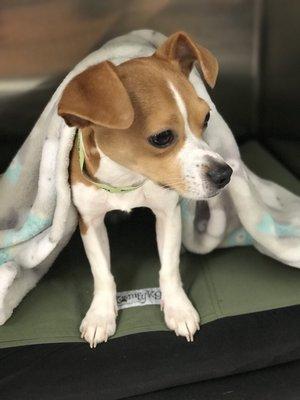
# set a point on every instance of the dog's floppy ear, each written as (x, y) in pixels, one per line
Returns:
(96, 96)
(181, 48)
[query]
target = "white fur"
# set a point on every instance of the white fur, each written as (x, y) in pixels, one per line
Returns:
(194, 157)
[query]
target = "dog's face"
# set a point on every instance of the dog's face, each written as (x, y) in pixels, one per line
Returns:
(146, 116)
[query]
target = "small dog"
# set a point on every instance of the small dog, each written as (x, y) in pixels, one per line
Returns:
(139, 145)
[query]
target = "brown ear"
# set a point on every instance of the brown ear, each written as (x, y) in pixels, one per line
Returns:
(182, 48)
(97, 96)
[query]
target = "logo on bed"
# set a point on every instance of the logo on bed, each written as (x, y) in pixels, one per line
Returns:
(139, 297)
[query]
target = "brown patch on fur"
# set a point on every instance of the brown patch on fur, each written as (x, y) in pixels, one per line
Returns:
(83, 227)
(92, 159)
(92, 156)
(182, 48)
(88, 99)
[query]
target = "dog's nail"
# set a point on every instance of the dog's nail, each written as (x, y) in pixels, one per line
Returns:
(189, 333)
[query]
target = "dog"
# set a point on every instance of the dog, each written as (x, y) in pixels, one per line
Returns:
(139, 144)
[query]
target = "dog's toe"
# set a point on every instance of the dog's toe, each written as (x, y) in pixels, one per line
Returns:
(97, 328)
(181, 316)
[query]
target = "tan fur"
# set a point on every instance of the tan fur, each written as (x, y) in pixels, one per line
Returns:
(82, 226)
(96, 96)
(181, 48)
(92, 159)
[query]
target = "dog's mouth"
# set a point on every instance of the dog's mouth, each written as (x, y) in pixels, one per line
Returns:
(199, 197)
(210, 195)
(193, 194)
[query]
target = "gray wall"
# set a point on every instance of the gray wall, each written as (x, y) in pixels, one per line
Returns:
(255, 42)
(280, 96)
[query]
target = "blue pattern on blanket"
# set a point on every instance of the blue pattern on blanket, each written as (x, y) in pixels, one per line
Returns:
(184, 207)
(5, 256)
(269, 226)
(13, 171)
(238, 237)
(33, 225)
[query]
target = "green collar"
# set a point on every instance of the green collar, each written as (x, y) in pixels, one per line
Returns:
(99, 185)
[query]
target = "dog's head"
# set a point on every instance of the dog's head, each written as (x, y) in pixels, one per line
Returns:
(146, 116)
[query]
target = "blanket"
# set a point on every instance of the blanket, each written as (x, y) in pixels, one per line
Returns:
(37, 217)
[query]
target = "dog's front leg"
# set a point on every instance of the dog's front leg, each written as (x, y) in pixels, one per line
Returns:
(100, 320)
(180, 315)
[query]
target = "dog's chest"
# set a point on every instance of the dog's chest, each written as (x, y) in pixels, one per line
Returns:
(91, 201)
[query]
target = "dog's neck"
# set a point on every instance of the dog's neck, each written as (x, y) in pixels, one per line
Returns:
(104, 169)
(115, 174)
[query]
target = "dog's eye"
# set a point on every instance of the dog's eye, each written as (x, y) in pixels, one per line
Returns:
(162, 139)
(205, 123)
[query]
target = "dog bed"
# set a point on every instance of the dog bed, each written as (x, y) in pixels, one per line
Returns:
(248, 303)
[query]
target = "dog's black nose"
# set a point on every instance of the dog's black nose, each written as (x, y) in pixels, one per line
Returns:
(219, 174)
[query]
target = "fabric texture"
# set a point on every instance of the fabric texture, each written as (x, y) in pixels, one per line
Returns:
(272, 383)
(38, 218)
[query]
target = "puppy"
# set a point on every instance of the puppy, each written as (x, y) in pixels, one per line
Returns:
(139, 145)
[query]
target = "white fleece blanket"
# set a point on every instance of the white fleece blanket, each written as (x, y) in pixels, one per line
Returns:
(37, 217)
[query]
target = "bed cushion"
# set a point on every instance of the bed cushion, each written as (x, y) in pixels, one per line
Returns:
(227, 282)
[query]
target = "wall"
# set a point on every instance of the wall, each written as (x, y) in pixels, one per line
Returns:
(255, 42)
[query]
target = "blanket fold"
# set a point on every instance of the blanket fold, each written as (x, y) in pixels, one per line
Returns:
(37, 217)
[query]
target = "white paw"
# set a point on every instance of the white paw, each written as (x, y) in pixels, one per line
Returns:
(180, 315)
(98, 325)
